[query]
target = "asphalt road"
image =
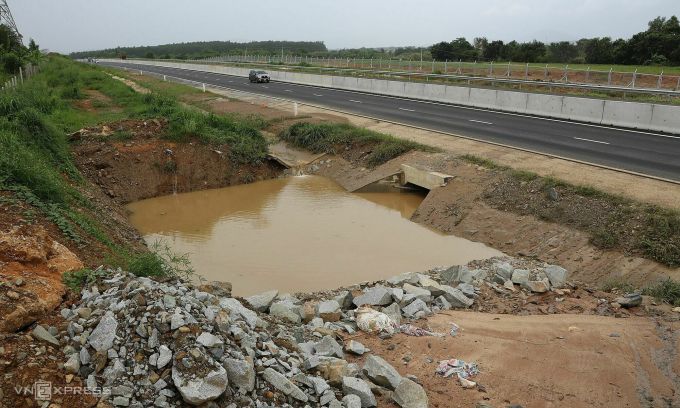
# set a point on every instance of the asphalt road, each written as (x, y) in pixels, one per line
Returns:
(647, 153)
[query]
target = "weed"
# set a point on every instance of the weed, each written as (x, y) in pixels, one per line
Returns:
(333, 138)
(604, 238)
(76, 280)
(666, 291)
(480, 161)
(160, 262)
(617, 285)
(523, 175)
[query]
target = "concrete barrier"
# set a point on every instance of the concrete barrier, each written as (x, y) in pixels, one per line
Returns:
(423, 177)
(582, 109)
(483, 98)
(628, 114)
(512, 101)
(663, 118)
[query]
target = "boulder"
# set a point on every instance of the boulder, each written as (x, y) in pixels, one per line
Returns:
(520, 276)
(241, 374)
(375, 296)
(410, 394)
(420, 293)
(557, 275)
(199, 387)
(40, 333)
(541, 286)
(381, 372)
(431, 285)
(360, 388)
(355, 347)
(393, 311)
(101, 338)
(239, 312)
(351, 401)
(219, 289)
(629, 300)
(503, 269)
(328, 347)
(329, 310)
(415, 307)
(283, 384)
(286, 310)
(262, 301)
(456, 298)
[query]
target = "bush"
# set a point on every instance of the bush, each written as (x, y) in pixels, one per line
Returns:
(160, 262)
(666, 291)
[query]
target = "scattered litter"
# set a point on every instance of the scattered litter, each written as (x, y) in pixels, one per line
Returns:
(454, 329)
(411, 330)
(461, 369)
(370, 320)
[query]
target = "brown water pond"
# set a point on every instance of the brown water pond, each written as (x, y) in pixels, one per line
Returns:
(299, 234)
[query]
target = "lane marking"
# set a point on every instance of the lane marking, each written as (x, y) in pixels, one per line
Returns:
(352, 100)
(317, 95)
(480, 121)
(592, 141)
(407, 110)
(287, 90)
(265, 86)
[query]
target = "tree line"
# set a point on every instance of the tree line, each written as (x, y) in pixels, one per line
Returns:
(658, 45)
(207, 49)
(13, 53)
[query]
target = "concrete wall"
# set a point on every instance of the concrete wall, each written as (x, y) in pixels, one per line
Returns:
(643, 116)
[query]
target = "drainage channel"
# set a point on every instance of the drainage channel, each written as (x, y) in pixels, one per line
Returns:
(298, 234)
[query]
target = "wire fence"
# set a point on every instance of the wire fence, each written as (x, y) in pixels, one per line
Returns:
(539, 74)
(25, 73)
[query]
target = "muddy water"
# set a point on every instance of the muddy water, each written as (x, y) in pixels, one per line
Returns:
(298, 234)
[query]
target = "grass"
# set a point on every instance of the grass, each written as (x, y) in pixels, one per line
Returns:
(619, 285)
(335, 138)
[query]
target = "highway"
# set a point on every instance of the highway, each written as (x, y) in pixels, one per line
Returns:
(647, 153)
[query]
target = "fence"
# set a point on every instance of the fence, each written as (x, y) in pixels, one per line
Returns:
(24, 74)
(536, 74)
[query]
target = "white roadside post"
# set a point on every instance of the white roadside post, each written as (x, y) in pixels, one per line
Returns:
(295, 109)
(203, 87)
(21, 75)
(165, 78)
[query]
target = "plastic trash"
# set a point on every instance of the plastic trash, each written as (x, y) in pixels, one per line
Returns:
(454, 329)
(370, 320)
(464, 371)
(411, 330)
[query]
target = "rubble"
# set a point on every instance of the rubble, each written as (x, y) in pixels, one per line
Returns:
(172, 342)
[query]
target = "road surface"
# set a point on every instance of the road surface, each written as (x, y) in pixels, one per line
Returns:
(647, 153)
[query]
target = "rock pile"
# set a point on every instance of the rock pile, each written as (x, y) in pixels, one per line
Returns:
(148, 343)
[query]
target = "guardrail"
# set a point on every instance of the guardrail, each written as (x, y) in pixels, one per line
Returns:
(24, 73)
(535, 75)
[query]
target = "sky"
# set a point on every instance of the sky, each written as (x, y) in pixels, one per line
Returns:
(79, 25)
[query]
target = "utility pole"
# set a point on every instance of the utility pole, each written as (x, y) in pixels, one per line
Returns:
(7, 19)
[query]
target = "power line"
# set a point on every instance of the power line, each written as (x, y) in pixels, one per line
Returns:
(7, 19)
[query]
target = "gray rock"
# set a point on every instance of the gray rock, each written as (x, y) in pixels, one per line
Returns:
(520, 276)
(381, 372)
(442, 303)
(209, 340)
(629, 300)
(468, 290)
(73, 364)
(281, 383)
(329, 310)
(101, 338)
(420, 293)
(557, 275)
(503, 269)
(355, 347)
(261, 302)
(431, 285)
(456, 298)
(85, 355)
(164, 356)
(410, 394)
(241, 374)
(328, 347)
(239, 312)
(41, 333)
(408, 277)
(351, 401)
(394, 312)
(286, 310)
(360, 388)
(375, 296)
(197, 390)
(415, 307)
(320, 385)
(541, 286)
(121, 401)
(344, 298)
(455, 275)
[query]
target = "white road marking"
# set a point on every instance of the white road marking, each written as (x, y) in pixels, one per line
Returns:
(287, 90)
(317, 95)
(407, 110)
(590, 140)
(352, 100)
(265, 86)
(480, 121)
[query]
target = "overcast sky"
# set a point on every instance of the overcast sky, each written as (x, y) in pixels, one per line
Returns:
(76, 25)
